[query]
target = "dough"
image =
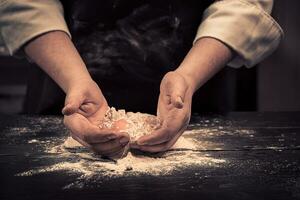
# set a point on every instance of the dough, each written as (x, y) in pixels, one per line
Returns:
(135, 124)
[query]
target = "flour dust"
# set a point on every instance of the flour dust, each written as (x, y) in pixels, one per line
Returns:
(71, 158)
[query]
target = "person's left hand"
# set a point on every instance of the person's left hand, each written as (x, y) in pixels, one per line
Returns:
(174, 111)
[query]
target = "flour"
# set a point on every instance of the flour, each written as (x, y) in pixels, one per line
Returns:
(135, 124)
(72, 158)
(33, 141)
(92, 168)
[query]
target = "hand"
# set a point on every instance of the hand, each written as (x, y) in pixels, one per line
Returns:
(85, 107)
(174, 110)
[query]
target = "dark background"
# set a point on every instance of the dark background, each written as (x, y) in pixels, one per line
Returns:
(274, 85)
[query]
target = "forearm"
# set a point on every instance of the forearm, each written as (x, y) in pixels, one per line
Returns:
(204, 60)
(55, 53)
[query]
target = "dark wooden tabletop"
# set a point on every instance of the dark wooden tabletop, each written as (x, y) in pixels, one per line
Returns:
(262, 151)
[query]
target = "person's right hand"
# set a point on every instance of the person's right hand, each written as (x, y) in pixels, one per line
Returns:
(85, 107)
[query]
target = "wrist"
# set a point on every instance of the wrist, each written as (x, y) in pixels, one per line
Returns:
(80, 84)
(190, 80)
(207, 57)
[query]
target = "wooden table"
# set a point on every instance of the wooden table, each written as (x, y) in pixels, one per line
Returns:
(262, 151)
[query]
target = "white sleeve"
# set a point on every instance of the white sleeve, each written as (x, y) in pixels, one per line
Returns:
(245, 26)
(21, 21)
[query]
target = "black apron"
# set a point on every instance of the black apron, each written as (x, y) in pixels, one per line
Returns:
(128, 46)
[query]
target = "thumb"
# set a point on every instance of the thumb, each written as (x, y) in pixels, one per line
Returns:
(72, 104)
(175, 87)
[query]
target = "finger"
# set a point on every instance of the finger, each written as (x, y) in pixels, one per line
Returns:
(152, 148)
(96, 135)
(80, 141)
(174, 87)
(157, 137)
(86, 131)
(72, 104)
(69, 109)
(106, 135)
(156, 148)
(177, 94)
(111, 147)
(160, 136)
(118, 154)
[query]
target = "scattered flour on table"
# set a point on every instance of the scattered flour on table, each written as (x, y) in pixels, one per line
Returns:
(70, 157)
(33, 141)
(91, 168)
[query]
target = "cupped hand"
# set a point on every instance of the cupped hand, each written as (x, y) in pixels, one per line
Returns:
(174, 111)
(84, 110)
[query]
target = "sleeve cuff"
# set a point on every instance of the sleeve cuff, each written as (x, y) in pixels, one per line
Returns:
(24, 20)
(246, 28)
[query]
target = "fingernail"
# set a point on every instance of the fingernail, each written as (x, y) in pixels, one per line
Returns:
(64, 111)
(179, 102)
(124, 141)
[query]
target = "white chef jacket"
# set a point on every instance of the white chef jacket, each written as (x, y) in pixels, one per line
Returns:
(244, 25)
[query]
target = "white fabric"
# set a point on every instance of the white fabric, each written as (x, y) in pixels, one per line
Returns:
(22, 20)
(244, 25)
